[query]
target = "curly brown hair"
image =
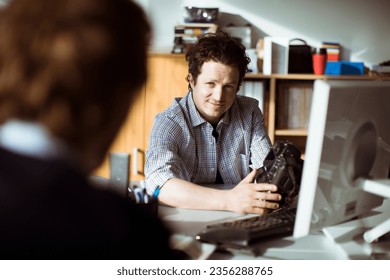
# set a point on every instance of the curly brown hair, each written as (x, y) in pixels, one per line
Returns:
(72, 65)
(219, 47)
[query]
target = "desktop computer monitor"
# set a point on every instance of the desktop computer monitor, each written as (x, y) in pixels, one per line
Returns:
(348, 147)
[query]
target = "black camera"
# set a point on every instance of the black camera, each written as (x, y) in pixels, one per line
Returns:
(283, 168)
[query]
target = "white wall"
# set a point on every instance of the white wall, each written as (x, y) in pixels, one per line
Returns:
(359, 25)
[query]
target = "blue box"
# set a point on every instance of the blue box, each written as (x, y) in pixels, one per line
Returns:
(344, 68)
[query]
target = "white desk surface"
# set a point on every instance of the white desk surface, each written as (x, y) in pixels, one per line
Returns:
(191, 222)
(316, 246)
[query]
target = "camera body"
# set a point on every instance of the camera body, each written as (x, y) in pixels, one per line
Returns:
(282, 167)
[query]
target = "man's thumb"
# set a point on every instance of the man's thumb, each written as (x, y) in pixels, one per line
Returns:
(250, 178)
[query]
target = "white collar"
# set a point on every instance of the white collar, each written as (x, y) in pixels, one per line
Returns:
(30, 138)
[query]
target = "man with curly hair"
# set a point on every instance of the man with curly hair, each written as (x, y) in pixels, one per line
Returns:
(211, 136)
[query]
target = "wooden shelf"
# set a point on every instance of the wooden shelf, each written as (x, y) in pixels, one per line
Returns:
(291, 132)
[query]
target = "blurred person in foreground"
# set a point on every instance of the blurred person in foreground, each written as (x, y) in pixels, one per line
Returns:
(211, 136)
(69, 69)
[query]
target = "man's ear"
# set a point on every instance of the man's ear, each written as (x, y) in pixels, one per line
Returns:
(191, 80)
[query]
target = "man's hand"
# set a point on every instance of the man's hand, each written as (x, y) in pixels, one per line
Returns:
(249, 197)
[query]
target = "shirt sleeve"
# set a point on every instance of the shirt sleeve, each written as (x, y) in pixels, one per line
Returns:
(162, 157)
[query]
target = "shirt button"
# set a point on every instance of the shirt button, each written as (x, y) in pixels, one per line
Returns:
(212, 169)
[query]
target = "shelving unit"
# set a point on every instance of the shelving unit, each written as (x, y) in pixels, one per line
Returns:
(297, 135)
(166, 80)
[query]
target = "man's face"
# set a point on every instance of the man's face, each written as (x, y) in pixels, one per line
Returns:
(215, 90)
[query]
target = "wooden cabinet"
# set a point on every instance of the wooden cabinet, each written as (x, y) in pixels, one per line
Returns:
(130, 138)
(166, 80)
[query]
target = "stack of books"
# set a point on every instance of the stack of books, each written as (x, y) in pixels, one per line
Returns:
(188, 33)
(381, 69)
(333, 50)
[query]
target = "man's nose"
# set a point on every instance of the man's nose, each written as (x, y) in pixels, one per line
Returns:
(218, 93)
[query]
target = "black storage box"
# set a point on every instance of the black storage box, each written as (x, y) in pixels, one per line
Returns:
(300, 60)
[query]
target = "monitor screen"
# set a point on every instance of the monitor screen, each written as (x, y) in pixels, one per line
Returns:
(348, 139)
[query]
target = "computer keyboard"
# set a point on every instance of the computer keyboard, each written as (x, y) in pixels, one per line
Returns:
(246, 231)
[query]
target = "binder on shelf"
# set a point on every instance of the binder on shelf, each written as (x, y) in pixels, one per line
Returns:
(275, 58)
(254, 89)
(294, 104)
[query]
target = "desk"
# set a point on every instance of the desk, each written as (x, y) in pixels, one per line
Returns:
(314, 246)
(345, 242)
(190, 222)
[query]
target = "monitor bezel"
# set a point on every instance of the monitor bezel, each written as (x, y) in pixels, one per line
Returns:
(314, 145)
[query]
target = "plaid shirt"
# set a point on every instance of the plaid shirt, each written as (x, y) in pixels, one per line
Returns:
(182, 145)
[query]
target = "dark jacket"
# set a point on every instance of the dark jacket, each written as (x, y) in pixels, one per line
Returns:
(48, 210)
